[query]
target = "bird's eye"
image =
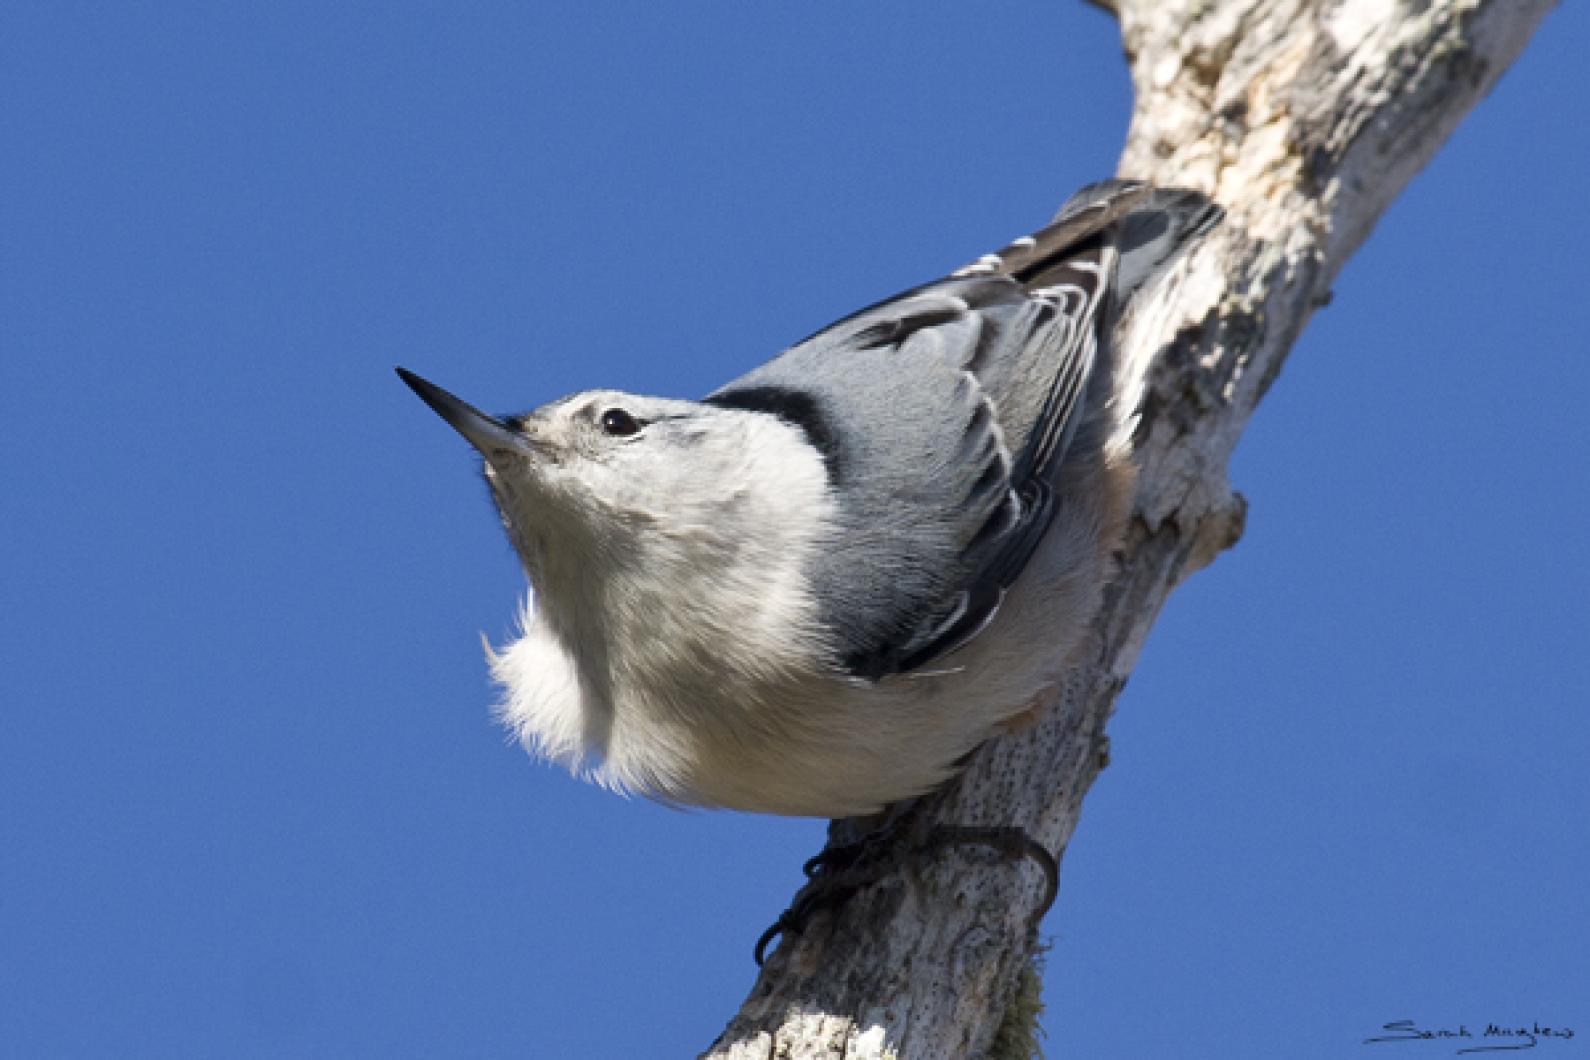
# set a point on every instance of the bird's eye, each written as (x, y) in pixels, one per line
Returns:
(619, 423)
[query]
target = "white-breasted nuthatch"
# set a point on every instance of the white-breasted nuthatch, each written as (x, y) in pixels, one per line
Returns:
(816, 590)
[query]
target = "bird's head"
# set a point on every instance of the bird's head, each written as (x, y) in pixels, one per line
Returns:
(613, 478)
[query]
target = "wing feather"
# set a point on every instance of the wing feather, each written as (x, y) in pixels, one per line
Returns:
(944, 413)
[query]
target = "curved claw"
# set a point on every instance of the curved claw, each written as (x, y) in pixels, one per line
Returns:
(836, 873)
(832, 876)
(1013, 843)
(778, 927)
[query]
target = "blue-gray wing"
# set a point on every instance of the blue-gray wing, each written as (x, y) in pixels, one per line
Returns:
(942, 414)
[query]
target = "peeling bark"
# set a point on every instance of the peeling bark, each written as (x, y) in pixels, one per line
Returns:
(1304, 119)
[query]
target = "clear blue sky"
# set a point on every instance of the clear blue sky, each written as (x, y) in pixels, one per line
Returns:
(251, 800)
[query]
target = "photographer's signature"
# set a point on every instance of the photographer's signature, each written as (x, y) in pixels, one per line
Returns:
(1492, 1038)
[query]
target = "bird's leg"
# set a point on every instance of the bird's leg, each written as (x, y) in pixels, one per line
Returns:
(839, 871)
(835, 873)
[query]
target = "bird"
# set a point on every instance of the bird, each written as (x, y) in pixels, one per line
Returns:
(818, 589)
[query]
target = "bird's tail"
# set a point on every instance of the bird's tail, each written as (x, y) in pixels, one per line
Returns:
(1152, 230)
(1145, 224)
(1154, 226)
(1132, 230)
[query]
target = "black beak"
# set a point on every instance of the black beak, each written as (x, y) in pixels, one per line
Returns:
(486, 433)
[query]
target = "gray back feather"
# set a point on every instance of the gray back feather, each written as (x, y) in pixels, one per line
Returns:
(944, 412)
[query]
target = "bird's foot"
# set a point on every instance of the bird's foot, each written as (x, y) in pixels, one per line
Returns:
(832, 876)
(838, 872)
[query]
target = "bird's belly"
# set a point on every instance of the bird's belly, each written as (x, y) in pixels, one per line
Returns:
(832, 748)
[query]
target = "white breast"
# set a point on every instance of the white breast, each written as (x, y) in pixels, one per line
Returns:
(710, 697)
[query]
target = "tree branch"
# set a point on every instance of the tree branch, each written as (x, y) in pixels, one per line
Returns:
(1304, 119)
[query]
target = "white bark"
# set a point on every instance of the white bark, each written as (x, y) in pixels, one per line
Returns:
(1304, 119)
